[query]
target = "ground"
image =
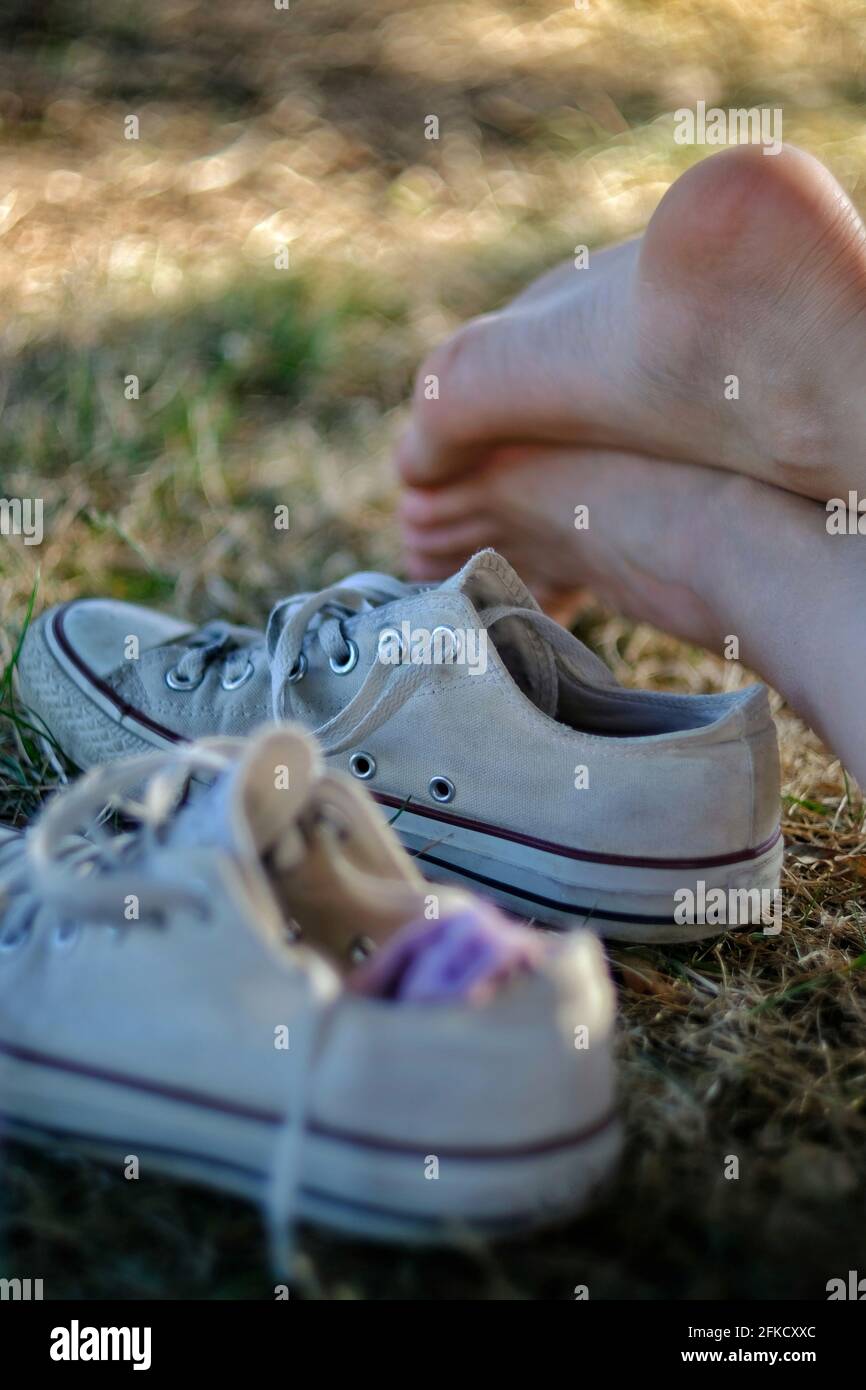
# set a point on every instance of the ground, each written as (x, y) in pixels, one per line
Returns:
(261, 129)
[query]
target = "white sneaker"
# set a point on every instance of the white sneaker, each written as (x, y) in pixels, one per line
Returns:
(153, 1004)
(517, 764)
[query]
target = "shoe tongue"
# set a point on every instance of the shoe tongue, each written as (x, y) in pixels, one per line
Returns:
(488, 581)
(253, 807)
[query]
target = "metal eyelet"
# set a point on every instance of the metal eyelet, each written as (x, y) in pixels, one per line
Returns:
(298, 671)
(65, 933)
(342, 668)
(453, 643)
(362, 765)
(387, 637)
(361, 949)
(12, 940)
(176, 682)
(441, 788)
(233, 684)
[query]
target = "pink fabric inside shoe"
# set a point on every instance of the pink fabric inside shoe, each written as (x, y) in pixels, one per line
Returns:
(468, 955)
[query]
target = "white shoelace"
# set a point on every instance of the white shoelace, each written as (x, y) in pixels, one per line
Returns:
(386, 687)
(53, 865)
(320, 617)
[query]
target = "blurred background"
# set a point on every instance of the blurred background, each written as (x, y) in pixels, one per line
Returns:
(305, 128)
(261, 129)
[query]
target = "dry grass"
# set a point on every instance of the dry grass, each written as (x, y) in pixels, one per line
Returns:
(156, 257)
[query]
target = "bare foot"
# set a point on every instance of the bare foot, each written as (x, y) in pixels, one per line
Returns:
(699, 552)
(631, 549)
(732, 334)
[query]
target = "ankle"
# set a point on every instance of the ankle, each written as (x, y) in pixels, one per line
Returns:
(722, 556)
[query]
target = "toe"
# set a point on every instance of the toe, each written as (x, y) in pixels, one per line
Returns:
(494, 380)
(424, 508)
(459, 538)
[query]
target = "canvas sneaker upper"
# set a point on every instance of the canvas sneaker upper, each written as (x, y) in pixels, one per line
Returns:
(464, 703)
(173, 985)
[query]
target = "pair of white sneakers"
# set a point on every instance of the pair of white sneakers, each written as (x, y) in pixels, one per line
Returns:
(241, 976)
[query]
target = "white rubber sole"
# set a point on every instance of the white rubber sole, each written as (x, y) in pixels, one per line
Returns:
(355, 1185)
(630, 902)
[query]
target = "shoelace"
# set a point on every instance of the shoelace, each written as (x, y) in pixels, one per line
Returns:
(386, 687)
(52, 864)
(217, 643)
(321, 617)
